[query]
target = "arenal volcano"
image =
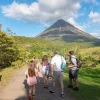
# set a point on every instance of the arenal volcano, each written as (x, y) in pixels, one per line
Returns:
(64, 31)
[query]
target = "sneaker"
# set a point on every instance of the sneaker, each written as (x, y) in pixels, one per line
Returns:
(76, 89)
(70, 86)
(62, 95)
(52, 91)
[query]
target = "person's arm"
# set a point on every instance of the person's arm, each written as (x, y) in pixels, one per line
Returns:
(52, 66)
(74, 63)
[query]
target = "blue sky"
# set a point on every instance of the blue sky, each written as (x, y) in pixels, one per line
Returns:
(31, 17)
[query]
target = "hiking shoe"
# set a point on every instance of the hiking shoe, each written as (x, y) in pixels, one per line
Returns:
(62, 95)
(46, 86)
(33, 96)
(52, 91)
(76, 89)
(70, 86)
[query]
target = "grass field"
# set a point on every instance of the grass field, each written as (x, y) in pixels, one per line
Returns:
(89, 84)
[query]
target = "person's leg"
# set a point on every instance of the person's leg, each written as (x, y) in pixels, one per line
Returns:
(76, 83)
(61, 82)
(62, 87)
(76, 80)
(34, 89)
(53, 85)
(44, 78)
(30, 90)
(53, 82)
(76, 88)
(30, 93)
(70, 79)
(45, 81)
(75, 74)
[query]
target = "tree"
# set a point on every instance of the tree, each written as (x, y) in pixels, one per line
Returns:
(8, 50)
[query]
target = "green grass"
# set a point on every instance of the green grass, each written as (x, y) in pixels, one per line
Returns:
(89, 84)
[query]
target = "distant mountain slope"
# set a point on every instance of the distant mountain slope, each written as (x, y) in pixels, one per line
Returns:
(63, 31)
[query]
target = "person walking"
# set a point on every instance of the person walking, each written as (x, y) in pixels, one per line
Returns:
(32, 79)
(45, 70)
(73, 71)
(57, 72)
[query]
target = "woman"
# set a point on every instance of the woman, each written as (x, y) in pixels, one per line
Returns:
(45, 70)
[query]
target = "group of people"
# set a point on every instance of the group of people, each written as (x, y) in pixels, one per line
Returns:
(52, 69)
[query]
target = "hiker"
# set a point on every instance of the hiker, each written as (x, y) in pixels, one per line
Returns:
(73, 71)
(45, 70)
(57, 72)
(34, 59)
(32, 75)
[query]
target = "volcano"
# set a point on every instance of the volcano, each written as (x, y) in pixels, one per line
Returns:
(64, 31)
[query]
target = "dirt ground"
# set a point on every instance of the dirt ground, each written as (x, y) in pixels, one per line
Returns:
(17, 89)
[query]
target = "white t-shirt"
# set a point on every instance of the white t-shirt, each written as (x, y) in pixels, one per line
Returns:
(57, 61)
(73, 60)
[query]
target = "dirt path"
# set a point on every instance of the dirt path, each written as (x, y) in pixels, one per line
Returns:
(17, 90)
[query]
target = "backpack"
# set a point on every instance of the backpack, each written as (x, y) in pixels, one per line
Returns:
(63, 65)
(79, 62)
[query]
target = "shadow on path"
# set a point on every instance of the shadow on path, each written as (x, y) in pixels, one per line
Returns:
(44, 94)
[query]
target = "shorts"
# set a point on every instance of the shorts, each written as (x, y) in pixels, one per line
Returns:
(45, 72)
(73, 74)
(58, 75)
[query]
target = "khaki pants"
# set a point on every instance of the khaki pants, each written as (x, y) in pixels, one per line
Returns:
(58, 75)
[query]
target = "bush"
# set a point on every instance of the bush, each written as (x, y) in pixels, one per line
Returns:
(8, 50)
(17, 64)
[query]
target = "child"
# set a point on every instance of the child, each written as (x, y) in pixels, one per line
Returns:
(45, 70)
(31, 79)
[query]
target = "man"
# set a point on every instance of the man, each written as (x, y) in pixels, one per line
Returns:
(73, 71)
(57, 72)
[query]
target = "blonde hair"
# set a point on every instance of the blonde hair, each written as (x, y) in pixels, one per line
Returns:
(31, 69)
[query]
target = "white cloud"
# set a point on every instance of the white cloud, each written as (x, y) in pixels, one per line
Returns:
(96, 33)
(95, 17)
(43, 10)
(81, 27)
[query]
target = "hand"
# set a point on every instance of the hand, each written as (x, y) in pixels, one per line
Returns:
(69, 66)
(51, 74)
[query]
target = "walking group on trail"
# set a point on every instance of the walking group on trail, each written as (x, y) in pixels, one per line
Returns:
(54, 70)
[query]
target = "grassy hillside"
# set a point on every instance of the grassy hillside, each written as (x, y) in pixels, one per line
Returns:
(90, 56)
